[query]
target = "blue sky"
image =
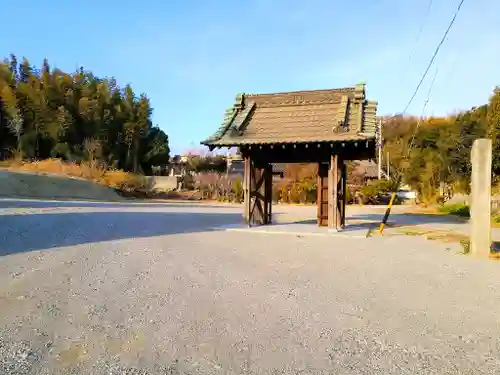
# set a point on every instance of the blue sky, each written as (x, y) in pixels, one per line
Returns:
(191, 56)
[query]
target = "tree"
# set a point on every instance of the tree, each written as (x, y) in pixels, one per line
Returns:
(50, 113)
(493, 124)
(440, 152)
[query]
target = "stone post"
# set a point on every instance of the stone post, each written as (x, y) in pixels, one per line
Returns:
(480, 239)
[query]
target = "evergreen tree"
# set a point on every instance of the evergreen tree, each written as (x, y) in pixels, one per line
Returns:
(49, 113)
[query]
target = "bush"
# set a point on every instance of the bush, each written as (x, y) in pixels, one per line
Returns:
(496, 218)
(237, 190)
(308, 191)
(348, 195)
(458, 209)
(295, 193)
(219, 186)
(225, 188)
(376, 192)
(277, 193)
(124, 181)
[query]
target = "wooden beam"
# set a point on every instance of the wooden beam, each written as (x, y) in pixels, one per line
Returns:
(300, 154)
(246, 189)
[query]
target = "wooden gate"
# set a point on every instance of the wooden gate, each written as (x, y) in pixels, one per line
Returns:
(322, 194)
(257, 193)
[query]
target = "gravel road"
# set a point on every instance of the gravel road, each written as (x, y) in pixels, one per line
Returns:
(91, 288)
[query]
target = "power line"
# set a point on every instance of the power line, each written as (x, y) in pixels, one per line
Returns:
(399, 178)
(434, 56)
(423, 111)
(424, 20)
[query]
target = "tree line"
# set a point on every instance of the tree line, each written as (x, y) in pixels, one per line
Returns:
(440, 155)
(76, 116)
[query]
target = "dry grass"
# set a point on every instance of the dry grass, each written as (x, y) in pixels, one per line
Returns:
(445, 236)
(116, 179)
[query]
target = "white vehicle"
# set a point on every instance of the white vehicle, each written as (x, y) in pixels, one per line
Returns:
(406, 194)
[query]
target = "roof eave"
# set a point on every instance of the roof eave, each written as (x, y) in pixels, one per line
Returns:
(242, 142)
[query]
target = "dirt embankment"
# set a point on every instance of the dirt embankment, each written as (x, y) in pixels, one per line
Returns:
(46, 186)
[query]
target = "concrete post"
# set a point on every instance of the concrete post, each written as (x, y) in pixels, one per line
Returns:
(481, 198)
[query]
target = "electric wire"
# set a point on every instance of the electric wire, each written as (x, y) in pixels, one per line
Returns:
(424, 21)
(399, 178)
(434, 55)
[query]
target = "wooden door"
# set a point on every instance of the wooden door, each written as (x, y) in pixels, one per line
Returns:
(258, 193)
(322, 194)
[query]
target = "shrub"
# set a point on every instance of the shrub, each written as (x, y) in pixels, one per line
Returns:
(348, 195)
(124, 181)
(219, 186)
(458, 209)
(308, 191)
(294, 194)
(496, 218)
(277, 190)
(237, 190)
(376, 192)
(230, 189)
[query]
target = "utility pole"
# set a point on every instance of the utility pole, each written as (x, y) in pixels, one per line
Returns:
(388, 168)
(379, 147)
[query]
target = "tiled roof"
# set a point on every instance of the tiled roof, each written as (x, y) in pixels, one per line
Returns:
(367, 168)
(300, 116)
(238, 166)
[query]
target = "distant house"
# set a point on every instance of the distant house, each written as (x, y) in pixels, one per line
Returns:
(236, 167)
(368, 169)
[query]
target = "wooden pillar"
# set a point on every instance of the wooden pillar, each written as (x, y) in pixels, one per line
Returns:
(332, 192)
(344, 194)
(246, 189)
(268, 193)
(336, 195)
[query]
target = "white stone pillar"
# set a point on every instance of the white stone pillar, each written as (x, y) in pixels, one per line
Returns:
(480, 239)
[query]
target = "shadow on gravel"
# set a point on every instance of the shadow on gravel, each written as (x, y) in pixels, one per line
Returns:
(22, 233)
(349, 227)
(403, 219)
(374, 220)
(21, 203)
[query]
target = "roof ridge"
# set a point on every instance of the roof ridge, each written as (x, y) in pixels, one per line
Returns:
(320, 91)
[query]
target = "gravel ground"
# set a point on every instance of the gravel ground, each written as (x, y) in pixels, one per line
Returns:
(89, 288)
